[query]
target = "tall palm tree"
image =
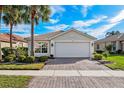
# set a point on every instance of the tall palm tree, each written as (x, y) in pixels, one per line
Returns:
(0, 28)
(12, 17)
(35, 13)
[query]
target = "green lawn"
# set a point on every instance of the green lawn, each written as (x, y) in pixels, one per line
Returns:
(14, 81)
(118, 62)
(33, 66)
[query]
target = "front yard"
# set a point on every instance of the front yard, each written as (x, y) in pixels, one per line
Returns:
(14, 81)
(33, 66)
(118, 62)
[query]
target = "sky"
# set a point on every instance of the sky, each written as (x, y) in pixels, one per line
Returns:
(94, 20)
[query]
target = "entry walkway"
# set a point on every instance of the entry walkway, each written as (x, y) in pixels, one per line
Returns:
(95, 73)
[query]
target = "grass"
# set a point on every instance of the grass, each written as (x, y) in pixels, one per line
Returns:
(118, 62)
(14, 81)
(33, 66)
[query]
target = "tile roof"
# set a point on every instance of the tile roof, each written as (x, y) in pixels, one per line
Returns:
(111, 38)
(48, 36)
(15, 38)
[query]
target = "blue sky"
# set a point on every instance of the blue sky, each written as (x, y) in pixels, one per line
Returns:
(95, 20)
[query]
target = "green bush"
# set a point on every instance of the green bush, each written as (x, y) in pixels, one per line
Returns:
(99, 51)
(8, 59)
(7, 51)
(21, 58)
(22, 51)
(12, 55)
(106, 54)
(97, 56)
(30, 59)
(43, 58)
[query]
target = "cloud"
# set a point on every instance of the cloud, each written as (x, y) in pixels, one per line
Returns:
(53, 21)
(80, 23)
(56, 9)
(101, 30)
(118, 17)
(85, 9)
(21, 29)
(57, 27)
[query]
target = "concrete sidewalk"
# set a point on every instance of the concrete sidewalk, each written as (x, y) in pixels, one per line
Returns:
(93, 73)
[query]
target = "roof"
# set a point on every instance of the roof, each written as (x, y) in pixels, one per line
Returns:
(118, 37)
(55, 34)
(15, 38)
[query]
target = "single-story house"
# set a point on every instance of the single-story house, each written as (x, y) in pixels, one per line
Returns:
(70, 43)
(117, 42)
(17, 41)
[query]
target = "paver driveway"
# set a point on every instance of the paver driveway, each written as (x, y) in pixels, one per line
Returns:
(73, 64)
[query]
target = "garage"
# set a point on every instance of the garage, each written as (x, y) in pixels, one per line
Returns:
(72, 49)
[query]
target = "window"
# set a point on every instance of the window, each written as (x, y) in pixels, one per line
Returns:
(97, 46)
(44, 48)
(41, 47)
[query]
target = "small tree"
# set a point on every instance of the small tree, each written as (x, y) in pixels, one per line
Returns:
(108, 48)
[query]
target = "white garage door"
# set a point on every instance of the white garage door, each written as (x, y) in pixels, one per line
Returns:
(72, 49)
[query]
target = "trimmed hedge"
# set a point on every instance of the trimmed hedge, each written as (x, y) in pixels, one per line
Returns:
(98, 56)
(30, 59)
(43, 58)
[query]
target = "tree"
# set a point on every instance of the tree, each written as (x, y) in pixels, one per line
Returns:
(12, 17)
(0, 28)
(109, 48)
(112, 33)
(35, 13)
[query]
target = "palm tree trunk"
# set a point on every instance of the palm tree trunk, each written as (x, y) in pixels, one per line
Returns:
(32, 34)
(0, 27)
(11, 25)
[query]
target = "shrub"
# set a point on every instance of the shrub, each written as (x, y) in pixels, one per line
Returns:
(7, 51)
(30, 59)
(99, 51)
(108, 48)
(106, 54)
(119, 51)
(12, 55)
(22, 51)
(43, 58)
(8, 59)
(21, 58)
(97, 56)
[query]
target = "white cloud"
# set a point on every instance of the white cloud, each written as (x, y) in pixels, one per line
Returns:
(80, 23)
(56, 9)
(53, 21)
(85, 9)
(118, 17)
(101, 30)
(57, 27)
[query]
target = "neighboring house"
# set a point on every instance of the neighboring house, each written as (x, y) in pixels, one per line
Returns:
(117, 42)
(17, 41)
(71, 43)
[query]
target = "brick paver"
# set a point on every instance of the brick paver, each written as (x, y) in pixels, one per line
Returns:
(73, 64)
(77, 82)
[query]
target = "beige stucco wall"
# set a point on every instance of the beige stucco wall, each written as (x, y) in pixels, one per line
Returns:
(19, 44)
(101, 45)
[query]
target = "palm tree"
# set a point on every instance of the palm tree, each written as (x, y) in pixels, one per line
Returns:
(0, 27)
(35, 13)
(12, 17)
(112, 33)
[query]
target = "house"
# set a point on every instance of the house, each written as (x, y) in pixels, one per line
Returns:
(117, 42)
(70, 43)
(17, 41)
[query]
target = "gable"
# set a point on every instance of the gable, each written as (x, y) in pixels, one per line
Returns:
(72, 35)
